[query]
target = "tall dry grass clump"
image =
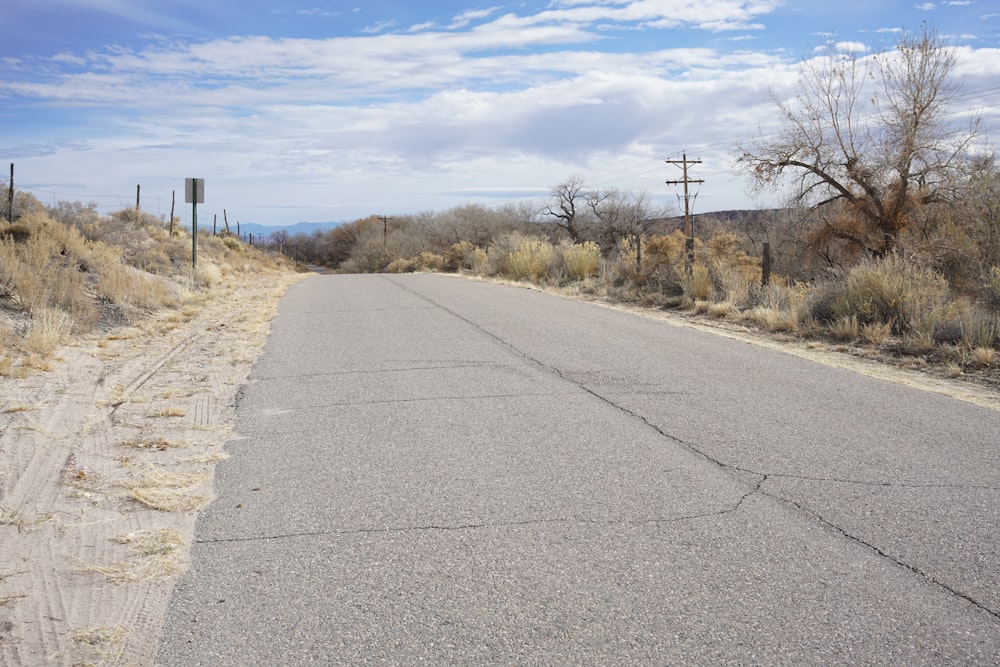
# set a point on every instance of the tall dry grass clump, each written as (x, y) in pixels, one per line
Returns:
(696, 284)
(48, 268)
(779, 307)
(520, 257)
(892, 290)
(47, 329)
(464, 255)
(581, 260)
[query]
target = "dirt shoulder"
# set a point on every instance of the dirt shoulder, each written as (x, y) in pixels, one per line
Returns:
(105, 461)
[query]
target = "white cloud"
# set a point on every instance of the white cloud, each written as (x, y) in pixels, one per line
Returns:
(491, 103)
(467, 17)
(925, 6)
(850, 47)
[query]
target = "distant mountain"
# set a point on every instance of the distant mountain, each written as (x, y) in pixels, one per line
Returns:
(262, 231)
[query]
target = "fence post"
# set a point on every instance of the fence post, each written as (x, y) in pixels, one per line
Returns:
(765, 265)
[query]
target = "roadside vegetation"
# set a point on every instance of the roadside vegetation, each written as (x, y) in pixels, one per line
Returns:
(67, 271)
(890, 242)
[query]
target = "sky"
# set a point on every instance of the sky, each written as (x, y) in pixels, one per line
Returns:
(303, 110)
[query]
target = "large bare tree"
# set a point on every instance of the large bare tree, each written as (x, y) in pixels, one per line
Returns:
(619, 215)
(568, 205)
(869, 140)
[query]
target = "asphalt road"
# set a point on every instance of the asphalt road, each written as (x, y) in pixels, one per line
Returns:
(439, 471)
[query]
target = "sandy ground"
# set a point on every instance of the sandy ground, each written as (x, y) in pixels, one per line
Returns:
(105, 461)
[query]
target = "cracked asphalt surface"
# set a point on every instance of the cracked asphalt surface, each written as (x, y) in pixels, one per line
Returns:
(441, 471)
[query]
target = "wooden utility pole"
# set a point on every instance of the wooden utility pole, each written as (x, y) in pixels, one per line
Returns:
(684, 162)
(173, 200)
(137, 189)
(385, 229)
(10, 198)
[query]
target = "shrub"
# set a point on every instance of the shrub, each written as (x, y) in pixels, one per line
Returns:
(980, 328)
(581, 260)
(696, 284)
(773, 319)
(479, 258)
(519, 257)
(984, 356)
(846, 328)
(459, 256)
(531, 259)
(401, 265)
(731, 282)
(664, 252)
(428, 261)
(989, 296)
(626, 265)
(48, 328)
(891, 290)
(876, 333)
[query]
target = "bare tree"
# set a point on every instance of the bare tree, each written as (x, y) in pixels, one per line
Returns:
(869, 141)
(621, 215)
(568, 206)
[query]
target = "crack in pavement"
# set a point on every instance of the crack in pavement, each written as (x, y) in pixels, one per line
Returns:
(890, 485)
(339, 404)
(884, 554)
(374, 371)
(487, 526)
(729, 466)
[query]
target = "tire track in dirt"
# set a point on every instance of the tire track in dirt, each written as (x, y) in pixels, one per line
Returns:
(86, 569)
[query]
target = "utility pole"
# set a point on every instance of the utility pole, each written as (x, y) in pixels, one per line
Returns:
(10, 198)
(385, 229)
(684, 162)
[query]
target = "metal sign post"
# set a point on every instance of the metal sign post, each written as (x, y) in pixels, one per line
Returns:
(194, 193)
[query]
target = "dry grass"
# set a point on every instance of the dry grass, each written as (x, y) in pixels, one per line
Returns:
(206, 458)
(984, 356)
(876, 333)
(104, 644)
(21, 408)
(722, 310)
(775, 320)
(530, 259)
(154, 444)
(696, 283)
(846, 328)
(581, 260)
(89, 484)
(701, 307)
(157, 554)
(70, 271)
(168, 492)
(8, 600)
(168, 412)
(100, 636)
(11, 517)
(48, 328)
